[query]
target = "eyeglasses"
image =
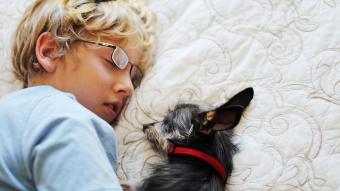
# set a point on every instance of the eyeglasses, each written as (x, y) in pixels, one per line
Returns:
(121, 60)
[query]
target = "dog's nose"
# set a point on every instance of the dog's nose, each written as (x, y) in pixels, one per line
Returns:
(145, 127)
(148, 125)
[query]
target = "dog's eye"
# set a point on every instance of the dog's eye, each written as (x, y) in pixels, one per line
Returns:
(197, 124)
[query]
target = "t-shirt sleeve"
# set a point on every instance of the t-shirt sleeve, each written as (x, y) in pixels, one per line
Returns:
(65, 153)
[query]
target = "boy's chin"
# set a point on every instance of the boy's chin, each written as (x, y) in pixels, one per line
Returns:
(113, 123)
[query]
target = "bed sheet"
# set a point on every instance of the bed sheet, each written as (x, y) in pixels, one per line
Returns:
(289, 51)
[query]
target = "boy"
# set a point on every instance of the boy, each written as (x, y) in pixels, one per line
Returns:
(79, 61)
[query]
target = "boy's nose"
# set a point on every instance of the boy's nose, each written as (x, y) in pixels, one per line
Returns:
(124, 86)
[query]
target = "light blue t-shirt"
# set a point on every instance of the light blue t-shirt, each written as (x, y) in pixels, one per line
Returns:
(48, 141)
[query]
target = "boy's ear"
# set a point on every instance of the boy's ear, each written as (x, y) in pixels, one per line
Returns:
(229, 114)
(45, 50)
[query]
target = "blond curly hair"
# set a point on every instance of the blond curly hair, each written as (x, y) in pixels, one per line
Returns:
(69, 20)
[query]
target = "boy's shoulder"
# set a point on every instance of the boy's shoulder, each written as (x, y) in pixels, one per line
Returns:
(32, 94)
(42, 102)
(38, 111)
(29, 98)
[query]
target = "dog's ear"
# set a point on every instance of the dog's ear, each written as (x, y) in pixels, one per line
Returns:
(229, 114)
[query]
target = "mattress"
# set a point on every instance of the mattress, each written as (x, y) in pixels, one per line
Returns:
(207, 51)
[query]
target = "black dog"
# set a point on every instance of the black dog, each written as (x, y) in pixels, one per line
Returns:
(198, 145)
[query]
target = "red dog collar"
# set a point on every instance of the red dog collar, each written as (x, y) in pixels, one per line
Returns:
(174, 150)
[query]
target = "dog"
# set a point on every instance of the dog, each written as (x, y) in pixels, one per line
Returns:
(197, 144)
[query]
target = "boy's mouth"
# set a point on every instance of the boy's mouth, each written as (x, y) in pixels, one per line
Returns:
(113, 109)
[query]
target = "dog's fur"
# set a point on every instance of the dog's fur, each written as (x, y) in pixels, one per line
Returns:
(207, 131)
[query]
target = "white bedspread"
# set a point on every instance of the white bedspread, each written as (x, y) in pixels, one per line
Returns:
(208, 50)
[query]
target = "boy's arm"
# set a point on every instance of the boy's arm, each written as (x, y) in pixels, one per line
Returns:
(67, 154)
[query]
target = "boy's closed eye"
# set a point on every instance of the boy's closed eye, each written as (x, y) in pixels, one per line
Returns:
(109, 63)
(134, 72)
(113, 66)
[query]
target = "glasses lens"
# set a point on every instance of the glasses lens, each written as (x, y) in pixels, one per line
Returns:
(120, 58)
(136, 76)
